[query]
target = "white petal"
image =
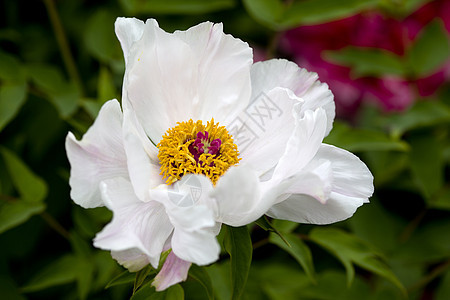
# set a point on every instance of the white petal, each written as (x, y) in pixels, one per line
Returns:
(143, 163)
(351, 177)
(303, 144)
(263, 134)
(194, 237)
(98, 156)
(174, 270)
(223, 72)
(136, 224)
(197, 74)
(351, 186)
(273, 73)
(200, 246)
(238, 197)
(132, 259)
(128, 31)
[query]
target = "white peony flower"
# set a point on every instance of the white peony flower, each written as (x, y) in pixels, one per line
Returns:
(206, 137)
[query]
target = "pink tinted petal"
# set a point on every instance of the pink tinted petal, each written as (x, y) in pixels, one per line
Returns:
(174, 270)
(98, 156)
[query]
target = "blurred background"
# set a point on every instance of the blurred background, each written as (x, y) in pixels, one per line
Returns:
(387, 63)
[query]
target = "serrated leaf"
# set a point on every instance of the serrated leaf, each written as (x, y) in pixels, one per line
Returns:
(203, 278)
(12, 97)
(350, 249)
(297, 249)
(61, 271)
(30, 186)
(357, 139)
(176, 6)
(368, 61)
(430, 49)
(238, 244)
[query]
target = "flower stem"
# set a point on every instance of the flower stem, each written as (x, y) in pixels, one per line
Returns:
(63, 43)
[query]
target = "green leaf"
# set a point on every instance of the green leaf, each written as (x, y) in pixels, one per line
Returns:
(238, 244)
(280, 16)
(30, 187)
(350, 249)
(297, 249)
(62, 94)
(12, 97)
(368, 61)
(430, 49)
(123, 278)
(443, 290)
(176, 6)
(11, 68)
(61, 271)
(99, 37)
(147, 292)
(141, 275)
(105, 86)
(442, 200)
(357, 139)
(421, 114)
(426, 162)
(17, 212)
(264, 223)
(9, 289)
(203, 278)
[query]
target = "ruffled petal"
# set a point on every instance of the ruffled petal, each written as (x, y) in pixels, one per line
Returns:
(351, 186)
(223, 72)
(273, 73)
(238, 197)
(194, 236)
(132, 259)
(143, 163)
(265, 128)
(303, 145)
(198, 74)
(174, 270)
(98, 156)
(135, 225)
(128, 31)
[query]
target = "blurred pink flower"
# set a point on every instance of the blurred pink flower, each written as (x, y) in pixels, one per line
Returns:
(374, 30)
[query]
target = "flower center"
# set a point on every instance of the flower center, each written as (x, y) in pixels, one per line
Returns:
(191, 147)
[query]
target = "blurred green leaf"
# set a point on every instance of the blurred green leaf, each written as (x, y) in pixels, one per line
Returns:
(386, 165)
(350, 249)
(297, 249)
(105, 86)
(175, 6)
(11, 68)
(284, 225)
(61, 271)
(203, 278)
(443, 290)
(238, 244)
(430, 49)
(63, 95)
(12, 97)
(30, 187)
(428, 243)
(368, 61)
(358, 139)
(14, 213)
(279, 16)
(9, 289)
(421, 114)
(442, 200)
(99, 37)
(426, 162)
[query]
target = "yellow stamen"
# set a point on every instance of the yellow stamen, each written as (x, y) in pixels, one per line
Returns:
(176, 159)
